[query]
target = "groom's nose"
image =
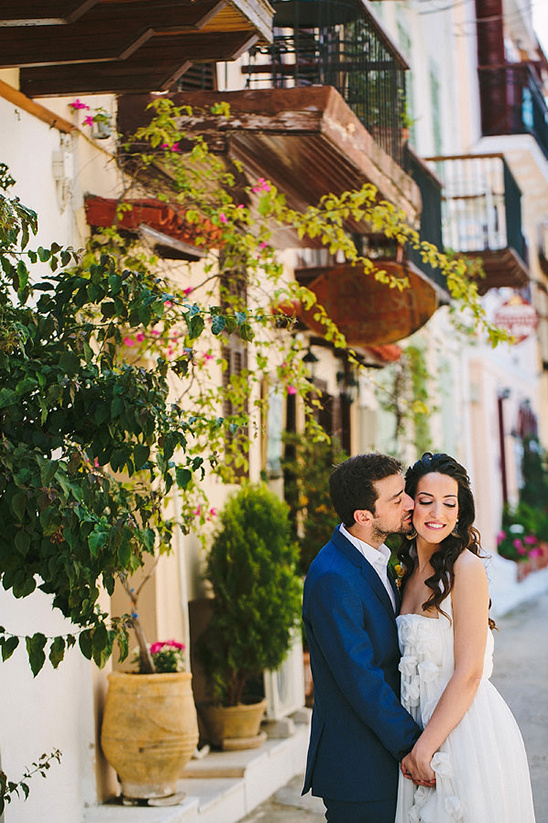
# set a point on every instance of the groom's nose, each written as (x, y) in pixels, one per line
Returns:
(409, 503)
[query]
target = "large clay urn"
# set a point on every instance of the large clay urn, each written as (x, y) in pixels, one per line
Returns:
(149, 731)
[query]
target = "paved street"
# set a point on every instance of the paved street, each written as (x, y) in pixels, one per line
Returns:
(520, 674)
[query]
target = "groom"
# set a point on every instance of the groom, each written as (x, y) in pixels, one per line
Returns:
(360, 731)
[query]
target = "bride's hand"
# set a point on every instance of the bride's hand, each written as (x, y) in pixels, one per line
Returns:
(416, 767)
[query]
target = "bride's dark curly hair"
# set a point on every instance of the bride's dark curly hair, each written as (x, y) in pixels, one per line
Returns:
(468, 537)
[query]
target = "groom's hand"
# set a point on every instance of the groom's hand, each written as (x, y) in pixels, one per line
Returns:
(416, 767)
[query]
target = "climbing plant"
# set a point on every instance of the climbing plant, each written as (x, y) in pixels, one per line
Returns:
(111, 369)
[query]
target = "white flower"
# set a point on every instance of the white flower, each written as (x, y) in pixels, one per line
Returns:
(453, 807)
(408, 665)
(411, 693)
(428, 671)
(441, 764)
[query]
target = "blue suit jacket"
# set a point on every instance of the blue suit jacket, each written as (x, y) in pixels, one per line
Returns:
(360, 731)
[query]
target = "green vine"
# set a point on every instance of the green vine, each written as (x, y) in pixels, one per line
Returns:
(10, 788)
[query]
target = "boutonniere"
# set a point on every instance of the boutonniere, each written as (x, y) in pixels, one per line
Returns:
(397, 573)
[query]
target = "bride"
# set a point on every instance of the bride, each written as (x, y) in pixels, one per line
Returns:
(470, 757)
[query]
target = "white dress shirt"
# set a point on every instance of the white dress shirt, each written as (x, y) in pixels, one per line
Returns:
(377, 557)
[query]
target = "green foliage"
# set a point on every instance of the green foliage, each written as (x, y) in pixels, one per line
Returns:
(257, 603)
(10, 788)
(307, 467)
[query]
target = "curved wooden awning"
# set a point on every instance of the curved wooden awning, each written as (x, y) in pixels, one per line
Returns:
(88, 46)
(367, 311)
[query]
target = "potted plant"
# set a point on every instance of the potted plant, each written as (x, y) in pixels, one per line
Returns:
(256, 606)
(150, 726)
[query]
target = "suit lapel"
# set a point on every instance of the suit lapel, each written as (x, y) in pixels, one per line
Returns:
(367, 570)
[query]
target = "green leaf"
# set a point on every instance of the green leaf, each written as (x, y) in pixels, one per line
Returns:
(218, 324)
(183, 477)
(117, 406)
(47, 471)
(7, 397)
(56, 651)
(84, 641)
(9, 644)
(96, 540)
(22, 542)
(196, 326)
(35, 650)
(141, 454)
(18, 504)
(70, 363)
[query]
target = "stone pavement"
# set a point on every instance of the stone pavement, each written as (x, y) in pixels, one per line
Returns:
(520, 674)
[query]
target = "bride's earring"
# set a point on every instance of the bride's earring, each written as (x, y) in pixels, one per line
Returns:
(411, 535)
(455, 531)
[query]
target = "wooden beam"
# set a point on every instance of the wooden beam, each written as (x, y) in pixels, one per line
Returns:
(43, 12)
(159, 62)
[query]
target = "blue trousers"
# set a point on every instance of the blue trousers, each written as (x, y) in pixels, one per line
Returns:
(381, 811)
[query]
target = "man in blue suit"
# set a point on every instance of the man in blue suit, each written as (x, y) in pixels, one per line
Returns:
(360, 731)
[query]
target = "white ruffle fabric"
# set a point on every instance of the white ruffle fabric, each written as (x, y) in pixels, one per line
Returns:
(482, 775)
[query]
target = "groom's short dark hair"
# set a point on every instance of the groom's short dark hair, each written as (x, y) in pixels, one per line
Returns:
(351, 483)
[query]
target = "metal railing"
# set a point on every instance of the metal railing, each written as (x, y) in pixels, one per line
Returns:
(337, 43)
(512, 102)
(481, 204)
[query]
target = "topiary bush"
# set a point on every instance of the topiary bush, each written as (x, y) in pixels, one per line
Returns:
(257, 603)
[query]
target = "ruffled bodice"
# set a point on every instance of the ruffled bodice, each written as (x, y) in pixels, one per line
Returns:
(428, 662)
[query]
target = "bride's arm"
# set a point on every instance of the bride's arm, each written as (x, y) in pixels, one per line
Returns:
(470, 598)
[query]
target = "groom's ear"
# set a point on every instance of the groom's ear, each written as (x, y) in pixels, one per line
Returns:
(363, 517)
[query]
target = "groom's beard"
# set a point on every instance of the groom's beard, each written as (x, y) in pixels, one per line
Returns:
(383, 529)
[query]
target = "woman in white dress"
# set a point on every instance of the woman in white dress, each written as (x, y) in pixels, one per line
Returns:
(471, 751)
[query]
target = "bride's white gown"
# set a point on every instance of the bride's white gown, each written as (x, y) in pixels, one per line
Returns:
(481, 769)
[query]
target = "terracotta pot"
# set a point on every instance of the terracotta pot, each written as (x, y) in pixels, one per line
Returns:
(149, 731)
(234, 727)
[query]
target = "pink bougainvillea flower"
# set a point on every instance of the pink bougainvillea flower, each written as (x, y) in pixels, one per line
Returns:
(261, 185)
(263, 245)
(213, 512)
(535, 552)
(208, 356)
(241, 206)
(77, 104)
(129, 341)
(188, 290)
(156, 332)
(500, 537)
(168, 303)
(96, 463)
(140, 337)
(88, 121)
(175, 147)
(197, 511)
(518, 544)
(291, 390)
(223, 218)
(530, 540)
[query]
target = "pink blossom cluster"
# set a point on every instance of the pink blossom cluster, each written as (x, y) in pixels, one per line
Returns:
(261, 185)
(160, 644)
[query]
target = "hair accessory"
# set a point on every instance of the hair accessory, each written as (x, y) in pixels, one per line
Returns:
(411, 535)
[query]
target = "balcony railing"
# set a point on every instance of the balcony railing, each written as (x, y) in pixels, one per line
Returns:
(481, 208)
(512, 102)
(337, 43)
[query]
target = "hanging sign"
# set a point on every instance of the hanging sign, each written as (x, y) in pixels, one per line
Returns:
(518, 317)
